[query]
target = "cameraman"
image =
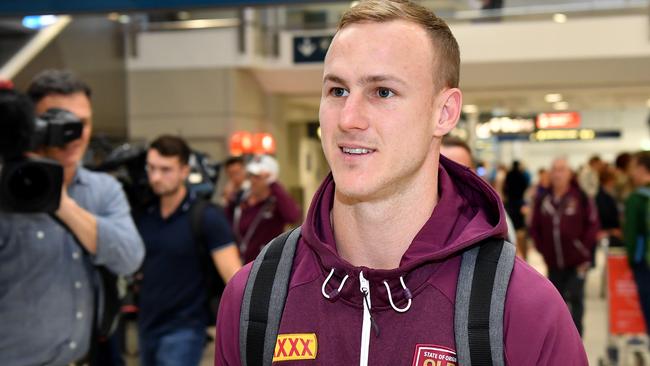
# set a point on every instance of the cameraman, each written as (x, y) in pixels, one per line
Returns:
(47, 278)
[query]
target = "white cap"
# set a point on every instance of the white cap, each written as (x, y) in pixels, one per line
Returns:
(264, 164)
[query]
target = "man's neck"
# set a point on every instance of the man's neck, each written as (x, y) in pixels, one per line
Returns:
(256, 197)
(170, 202)
(376, 234)
(560, 191)
(68, 174)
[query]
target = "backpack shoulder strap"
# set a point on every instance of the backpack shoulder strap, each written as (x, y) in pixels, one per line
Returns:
(260, 312)
(196, 221)
(480, 298)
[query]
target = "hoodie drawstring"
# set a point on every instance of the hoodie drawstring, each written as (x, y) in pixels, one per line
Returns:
(334, 292)
(407, 295)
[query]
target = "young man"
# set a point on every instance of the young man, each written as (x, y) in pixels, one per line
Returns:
(173, 311)
(388, 227)
(565, 227)
(636, 229)
(47, 278)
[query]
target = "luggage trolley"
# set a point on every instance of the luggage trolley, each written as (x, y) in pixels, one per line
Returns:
(627, 342)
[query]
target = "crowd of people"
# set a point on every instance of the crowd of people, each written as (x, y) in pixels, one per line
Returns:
(51, 298)
(568, 212)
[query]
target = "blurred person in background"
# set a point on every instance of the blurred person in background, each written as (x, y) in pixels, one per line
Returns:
(564, 227)
(637, 229)
(514, 188)
(49, 282)
(543, 182)
(588, 176)
(624, 183)
(173, 304)
(459, 151)
(235, 169)
(265, 209)
(609, 214)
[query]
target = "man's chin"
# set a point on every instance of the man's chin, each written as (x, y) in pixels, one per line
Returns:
(355, 190)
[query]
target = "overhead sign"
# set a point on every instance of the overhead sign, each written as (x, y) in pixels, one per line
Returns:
(35, 7)
(557, 120)
(310, 49)
(573, 134)
(499, 126)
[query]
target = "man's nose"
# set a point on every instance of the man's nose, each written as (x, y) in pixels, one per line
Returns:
(354, 115)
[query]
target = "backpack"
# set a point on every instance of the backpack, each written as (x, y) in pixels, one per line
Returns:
(478, 316)
(214, 282)
(643, 241)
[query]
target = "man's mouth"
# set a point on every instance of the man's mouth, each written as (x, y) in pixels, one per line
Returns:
(356, 150)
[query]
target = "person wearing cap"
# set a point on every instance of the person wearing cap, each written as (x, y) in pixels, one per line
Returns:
(265, 209)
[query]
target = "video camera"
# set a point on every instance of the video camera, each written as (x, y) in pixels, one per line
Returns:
(31, 184)
(126, 162)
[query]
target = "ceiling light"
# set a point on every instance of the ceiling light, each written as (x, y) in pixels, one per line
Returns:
(124, 19)
(553, 98)
(39, 21)
(560, 106)
(559, 18)
(470, 108)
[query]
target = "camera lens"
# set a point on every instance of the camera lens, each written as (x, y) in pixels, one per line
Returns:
(29, 183)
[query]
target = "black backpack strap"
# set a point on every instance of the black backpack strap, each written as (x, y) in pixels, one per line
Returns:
(196, 219)
(260, 312)
(480, 299)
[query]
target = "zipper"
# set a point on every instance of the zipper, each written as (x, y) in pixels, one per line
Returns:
(557, 240)
(583, 250)
(367, 320)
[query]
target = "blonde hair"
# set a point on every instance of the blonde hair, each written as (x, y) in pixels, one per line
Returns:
(381, 11)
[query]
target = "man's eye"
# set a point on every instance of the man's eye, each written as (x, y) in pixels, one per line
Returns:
(385, 93)
(339, 92)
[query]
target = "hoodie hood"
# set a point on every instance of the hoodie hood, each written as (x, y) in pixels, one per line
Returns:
(468, 211)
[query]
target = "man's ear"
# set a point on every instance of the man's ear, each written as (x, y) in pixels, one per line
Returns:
(450, 102)
(185, 171)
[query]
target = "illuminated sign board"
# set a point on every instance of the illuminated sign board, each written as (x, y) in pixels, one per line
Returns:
(558, 120)
(584, 134)
(498, 126)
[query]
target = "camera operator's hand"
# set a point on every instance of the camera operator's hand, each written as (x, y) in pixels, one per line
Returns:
(81, 222)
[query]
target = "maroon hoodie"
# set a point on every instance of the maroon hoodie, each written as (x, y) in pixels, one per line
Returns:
(565, 230)
(538, 329)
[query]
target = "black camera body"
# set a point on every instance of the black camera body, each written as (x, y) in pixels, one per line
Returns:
(31, 184)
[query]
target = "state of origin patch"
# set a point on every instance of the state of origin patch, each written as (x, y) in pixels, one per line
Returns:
(432, 355)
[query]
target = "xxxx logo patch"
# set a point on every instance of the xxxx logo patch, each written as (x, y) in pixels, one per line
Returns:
(431, 355)
(291, 347)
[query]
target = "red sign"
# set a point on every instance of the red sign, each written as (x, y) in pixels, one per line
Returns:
(558, 120)
(625, 315)
(431, 355)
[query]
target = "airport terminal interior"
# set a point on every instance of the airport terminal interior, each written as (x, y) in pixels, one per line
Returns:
(541, 80)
